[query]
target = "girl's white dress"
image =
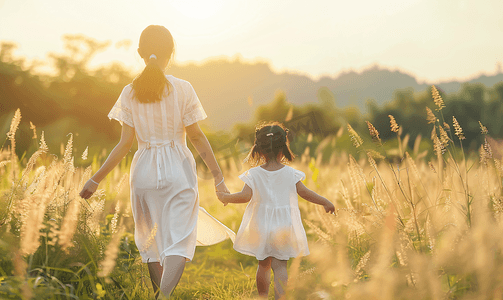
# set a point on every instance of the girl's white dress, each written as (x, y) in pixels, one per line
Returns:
(163, 179)
(271, 224)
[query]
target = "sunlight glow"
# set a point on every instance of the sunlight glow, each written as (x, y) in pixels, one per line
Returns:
(197, 9)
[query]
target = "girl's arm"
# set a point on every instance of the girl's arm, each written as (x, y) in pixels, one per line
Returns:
(117, 154)
(200, 142)
(312, 197)
(242, 197)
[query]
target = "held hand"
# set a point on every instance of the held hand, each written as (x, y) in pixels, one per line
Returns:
(222, 188)
(88, 189)
(329, 207)
(221, 197)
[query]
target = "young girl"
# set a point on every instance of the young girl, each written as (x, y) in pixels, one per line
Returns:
(272, 229)
(160, 110)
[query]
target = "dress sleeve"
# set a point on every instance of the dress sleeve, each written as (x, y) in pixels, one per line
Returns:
(193, 111)
(299, 175)
(247, 178)
(121, 111)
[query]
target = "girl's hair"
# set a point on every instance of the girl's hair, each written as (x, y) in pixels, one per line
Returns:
(271, 140)
(149, 85)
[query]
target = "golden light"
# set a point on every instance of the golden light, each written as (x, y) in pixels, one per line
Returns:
(198, 9)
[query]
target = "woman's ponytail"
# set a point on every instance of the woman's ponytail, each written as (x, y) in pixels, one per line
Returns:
(149, 85)
(156, 43)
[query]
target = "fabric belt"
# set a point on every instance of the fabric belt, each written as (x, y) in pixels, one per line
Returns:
(157, 148)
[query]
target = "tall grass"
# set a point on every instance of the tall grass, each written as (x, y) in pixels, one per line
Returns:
(407, 225)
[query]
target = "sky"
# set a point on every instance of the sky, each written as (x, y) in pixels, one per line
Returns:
(433, 40)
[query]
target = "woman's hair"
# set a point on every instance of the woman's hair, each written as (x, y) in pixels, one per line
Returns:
(271, 141)
(149, 85)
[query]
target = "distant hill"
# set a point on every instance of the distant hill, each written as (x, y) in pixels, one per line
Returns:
(226, 85)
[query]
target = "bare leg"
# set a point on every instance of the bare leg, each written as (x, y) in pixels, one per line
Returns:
(264, 277)
(155, 270)
(173, 267)
(280, 277)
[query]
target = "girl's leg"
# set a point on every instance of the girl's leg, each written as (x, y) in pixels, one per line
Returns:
(173, 267)
(280, 276)
(264, 277)
(155, 271)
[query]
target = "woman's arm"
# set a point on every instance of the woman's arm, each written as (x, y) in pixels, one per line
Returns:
(312, 197)
(200, 142)
(242, 197)
(117, 154)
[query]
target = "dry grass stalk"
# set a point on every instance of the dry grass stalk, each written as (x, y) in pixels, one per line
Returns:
(67, 156)
(30, 229)
(374, 133)
(115, 218)
(394, 126)
(458, 131)
(111, 253)
(84, 155)
(437, 98)
(355, 138)
(69, 225)
(430, 117)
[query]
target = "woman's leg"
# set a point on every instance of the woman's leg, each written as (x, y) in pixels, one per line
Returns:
(155, 271)
(173, 267)
(280, 276)
(264, 277)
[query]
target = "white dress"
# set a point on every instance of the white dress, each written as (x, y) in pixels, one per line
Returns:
(163, 179)
(271, 224)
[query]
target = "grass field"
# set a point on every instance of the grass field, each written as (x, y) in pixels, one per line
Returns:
(408, 225)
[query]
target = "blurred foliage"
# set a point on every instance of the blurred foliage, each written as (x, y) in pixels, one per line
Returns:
(77, 99)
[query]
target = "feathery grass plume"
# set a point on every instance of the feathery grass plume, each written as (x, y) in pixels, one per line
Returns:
(488, 149)
(111, 253)
(11, 135)
(150, 240)
(14, 125)
(444, 138)
(437, 98)
(374, 133)
(371, 160)
(483, 155)
(122, 182)
(115, 218)
(438, 146)
(31, 162)
(69, 225)
(43, 144)
(458, 131)
(345, 196)
(84, 155)
(322, 236)
(394, 126)
(30, 229)
(362, 263)
(355, 138)
(67, 156)
(430, 117)
(483, 129)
